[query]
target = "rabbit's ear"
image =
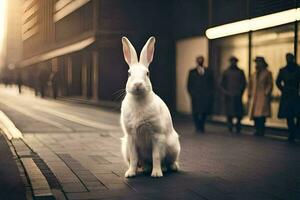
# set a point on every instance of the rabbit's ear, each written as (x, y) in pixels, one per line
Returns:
(129, 52)
(147, 52)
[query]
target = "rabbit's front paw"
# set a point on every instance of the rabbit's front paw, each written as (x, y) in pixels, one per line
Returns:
(156, 172)
(130, 173)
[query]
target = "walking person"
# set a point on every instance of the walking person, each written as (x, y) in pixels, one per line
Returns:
(201, 89)
(260, 90)
(288, 82)
(233, 85)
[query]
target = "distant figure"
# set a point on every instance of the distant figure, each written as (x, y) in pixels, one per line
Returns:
(260, 90)
(233, 85)
(42, 81)
(54, 82)
(19, 80)
(201, 89)
(288, 82)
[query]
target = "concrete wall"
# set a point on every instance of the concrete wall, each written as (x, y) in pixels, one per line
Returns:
(138, 20)
(186, 52)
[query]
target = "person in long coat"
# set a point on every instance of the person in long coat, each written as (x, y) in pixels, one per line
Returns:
(201, 89)
(260, 91)
(233, 84)
(288, 82)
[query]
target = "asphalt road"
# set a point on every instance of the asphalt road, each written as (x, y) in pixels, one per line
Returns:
(11, 184)
(80, 146)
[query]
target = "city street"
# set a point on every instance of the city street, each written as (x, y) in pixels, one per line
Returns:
(72, 151)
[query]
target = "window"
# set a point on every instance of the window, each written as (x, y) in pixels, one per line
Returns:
(273, 44)
(222, 50)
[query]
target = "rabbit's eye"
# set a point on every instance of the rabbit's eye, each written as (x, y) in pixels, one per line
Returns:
(129, 74)
(147, 74)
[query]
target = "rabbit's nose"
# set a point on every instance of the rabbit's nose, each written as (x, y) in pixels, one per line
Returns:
(138, 85)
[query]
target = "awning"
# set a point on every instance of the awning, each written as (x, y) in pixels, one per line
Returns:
(58, 52)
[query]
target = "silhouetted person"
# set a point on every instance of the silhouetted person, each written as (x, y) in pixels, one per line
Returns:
(54, 83)
(233, 85)
(19, 80)
(288, 82)
(260, 90)
(42, 81)
(201, 89)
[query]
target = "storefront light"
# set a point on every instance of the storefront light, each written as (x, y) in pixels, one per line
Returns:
(298, 14)
(228, 29)
(254, 24)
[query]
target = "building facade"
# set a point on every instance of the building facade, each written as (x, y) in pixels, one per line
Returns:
(80, 41)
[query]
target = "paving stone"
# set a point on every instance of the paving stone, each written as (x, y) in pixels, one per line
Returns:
(79, 196)
(117, 186)
(86, 178)
(109, 178)
(41, 189)
(99, 159)
(58, 194)
(96, 188)
(74, 187)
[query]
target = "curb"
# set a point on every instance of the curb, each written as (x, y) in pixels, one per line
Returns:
(21, 169)
(8, 127)
(34, 181)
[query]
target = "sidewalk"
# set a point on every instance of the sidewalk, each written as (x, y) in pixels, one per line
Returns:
(216, 165)
(11, 185)
(69, 160)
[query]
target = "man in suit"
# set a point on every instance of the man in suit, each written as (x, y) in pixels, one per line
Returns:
(201, 89)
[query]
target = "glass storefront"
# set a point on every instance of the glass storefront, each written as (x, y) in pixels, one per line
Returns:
(224, 48)
(272, 44)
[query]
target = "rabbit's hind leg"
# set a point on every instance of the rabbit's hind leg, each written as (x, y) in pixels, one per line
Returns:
(173, 151)
(174, 166)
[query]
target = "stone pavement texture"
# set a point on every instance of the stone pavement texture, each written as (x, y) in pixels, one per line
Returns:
(85, 162)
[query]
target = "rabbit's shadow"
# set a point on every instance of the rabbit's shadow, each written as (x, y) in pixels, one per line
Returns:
(180, 181)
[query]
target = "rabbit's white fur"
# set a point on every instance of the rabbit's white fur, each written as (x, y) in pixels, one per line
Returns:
(149, 137)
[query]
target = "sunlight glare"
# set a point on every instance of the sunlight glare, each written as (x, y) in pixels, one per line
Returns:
(2, 26)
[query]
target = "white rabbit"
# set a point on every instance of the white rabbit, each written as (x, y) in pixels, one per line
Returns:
(149, 137)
